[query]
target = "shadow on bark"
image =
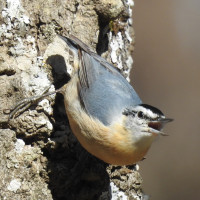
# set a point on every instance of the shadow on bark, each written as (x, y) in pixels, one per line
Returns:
(73, 173)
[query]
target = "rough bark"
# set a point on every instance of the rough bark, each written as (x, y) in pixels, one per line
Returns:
(39, 156)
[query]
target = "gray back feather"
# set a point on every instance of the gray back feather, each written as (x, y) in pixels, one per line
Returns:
(103, 91)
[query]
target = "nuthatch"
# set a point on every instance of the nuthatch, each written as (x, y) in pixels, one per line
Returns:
(105, 113)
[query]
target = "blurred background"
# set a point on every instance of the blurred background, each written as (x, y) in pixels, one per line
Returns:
(166, 74)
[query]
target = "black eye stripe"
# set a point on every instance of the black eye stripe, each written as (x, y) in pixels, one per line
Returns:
(129, 112)
(139, 114)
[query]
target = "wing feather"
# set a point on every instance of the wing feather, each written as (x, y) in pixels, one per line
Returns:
(103, 91)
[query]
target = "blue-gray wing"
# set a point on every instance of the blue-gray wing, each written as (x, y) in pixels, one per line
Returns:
(103, 91)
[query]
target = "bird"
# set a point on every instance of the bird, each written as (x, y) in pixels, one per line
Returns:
(105, 113)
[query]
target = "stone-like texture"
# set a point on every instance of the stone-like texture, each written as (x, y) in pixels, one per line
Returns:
(39, 156)
(22, 169)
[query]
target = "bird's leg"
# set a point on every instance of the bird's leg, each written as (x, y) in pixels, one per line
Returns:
(26, 103)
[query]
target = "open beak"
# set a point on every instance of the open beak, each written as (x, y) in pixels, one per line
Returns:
(157, 126)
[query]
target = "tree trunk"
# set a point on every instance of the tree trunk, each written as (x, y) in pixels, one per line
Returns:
(39, 156)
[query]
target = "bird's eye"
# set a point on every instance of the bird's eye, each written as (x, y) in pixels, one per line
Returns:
(141, 115)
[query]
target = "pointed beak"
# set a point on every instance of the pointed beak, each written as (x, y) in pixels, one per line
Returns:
(165, 120)
(157, 126)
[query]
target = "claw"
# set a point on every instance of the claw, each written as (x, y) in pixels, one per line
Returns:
(26, 103)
